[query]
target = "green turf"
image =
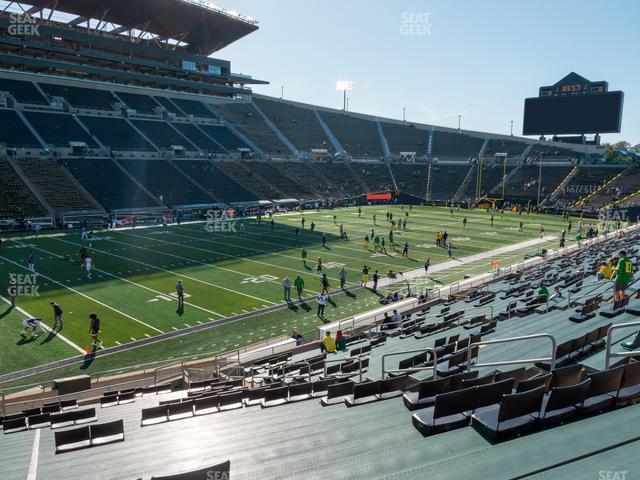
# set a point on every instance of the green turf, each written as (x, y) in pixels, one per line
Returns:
(224, 275)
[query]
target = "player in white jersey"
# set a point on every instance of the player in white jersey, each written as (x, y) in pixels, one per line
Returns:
(88, 265)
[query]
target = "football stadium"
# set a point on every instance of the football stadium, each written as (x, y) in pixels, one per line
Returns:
(209, 282)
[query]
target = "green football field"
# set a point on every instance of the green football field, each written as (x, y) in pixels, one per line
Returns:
(226, 274)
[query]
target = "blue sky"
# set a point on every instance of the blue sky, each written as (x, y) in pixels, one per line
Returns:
(478, 59)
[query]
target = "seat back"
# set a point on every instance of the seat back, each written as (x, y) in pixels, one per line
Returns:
(563, 397)
(519, 404)
(206, 403)
(74, 435)
(535, 382)
(456, 380)
(339, 389)
(366, 389)
(180, 408)
(101, 430)
(15, 423)
(474, 382)
(492, 393)
(304, 388)
(278, 393)
(51, 408)
(565, 348)
(393, 384)
(450, 403)
(215, 471)
(230, 398)
(154, 412)
(454, 338)
(631, 376)
(517, 374)
(322, 385)
(457, 358)
(562, 377)
(462, 344)
(607, 381)
(430, 388)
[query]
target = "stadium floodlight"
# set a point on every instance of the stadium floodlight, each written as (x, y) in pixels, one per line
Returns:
(344, 86)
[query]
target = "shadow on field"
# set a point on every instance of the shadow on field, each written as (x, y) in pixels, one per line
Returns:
(48, 338)
(88, 360)
(6, 312)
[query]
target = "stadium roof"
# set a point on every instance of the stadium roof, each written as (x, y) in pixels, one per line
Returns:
(196, 24)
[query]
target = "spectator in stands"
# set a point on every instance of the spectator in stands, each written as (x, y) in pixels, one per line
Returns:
(543, 293)
(556, 296)
(341, 341)
(604, 271)
(386, 322)
(624, 272)
(328, 344)
(298, 338)
(396, 319)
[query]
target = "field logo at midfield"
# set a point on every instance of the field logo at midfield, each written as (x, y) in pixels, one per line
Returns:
(23, 285)
(23, 25)
(333, 265)
(219, 222)
(260, 279)
(415, 23)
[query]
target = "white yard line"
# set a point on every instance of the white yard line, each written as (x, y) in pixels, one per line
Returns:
(86, 296)
(46, 327)
(171, 271)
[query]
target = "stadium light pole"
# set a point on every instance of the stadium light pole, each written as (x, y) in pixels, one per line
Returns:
(459, 122)
(344, 86)
(539, 177)
(404, 112)
(512, 128)
(282, 92)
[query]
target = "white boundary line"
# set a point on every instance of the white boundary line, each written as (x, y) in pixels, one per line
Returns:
(86, 296)
(46, 327)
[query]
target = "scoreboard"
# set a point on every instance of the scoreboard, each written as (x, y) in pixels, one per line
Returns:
(574, 106)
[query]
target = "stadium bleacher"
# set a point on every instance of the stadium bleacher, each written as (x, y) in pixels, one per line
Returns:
(248, 121)
(288, 178)
(359, 137)
(119, 192)
(80, 97)
(376, 175)
(16, 200)
(242, 173)
(446, 179)
(406, 138)
(223, 136)
(455, 145)
(523, 184)
(200, 139)
(512, 148)
(411, 178)
(140, 103)
(161, 134)
(617, 189)
(22, 91)
(54, 184)
(586, 181)
(58, 129)
(163, 180)
(215, 181)
(115, 133)
(13, 131)
(169, 106)
(298, 124)
(193, 107)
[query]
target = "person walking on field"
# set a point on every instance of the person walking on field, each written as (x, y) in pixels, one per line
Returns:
(299, 284)
(180, 293)
(286, 286)
(57, 315)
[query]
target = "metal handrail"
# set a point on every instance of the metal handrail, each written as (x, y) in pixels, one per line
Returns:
(431, 350)
(342, 360)
(156, 370)
(609, 354)
(551, 359)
